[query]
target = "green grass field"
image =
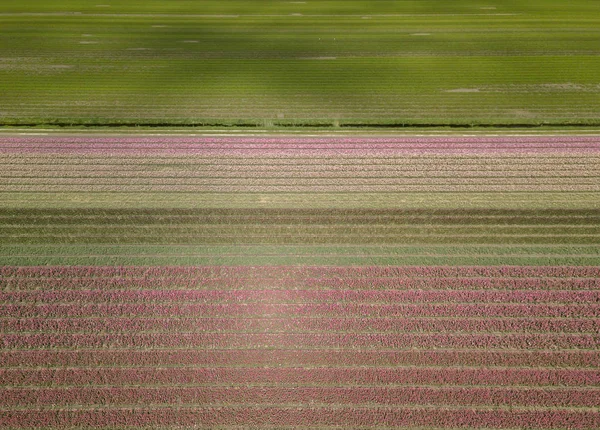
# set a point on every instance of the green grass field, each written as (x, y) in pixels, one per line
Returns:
(316, 63)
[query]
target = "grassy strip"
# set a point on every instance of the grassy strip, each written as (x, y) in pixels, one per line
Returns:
(292, 255)
(393, 124)
(299, 215)
(451, 200)
(308, 239)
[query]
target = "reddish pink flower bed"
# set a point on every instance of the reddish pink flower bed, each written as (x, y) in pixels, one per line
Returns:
(444, 347)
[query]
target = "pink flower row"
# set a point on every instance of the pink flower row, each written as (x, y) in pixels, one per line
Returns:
(299, 357)
(308, 283)
(291, 325)
(372, 396)
(303, 340)
(297, 296)
(258, 179)
(287, 153)
(451, 140)
(300, 376)
(349, 417)
(309, 310)
(278, 272)
(435, 173)
(298, 186)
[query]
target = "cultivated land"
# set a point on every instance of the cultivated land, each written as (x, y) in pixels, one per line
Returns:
(292, 281)
(300, 200)
(246, 273)
(318, 63)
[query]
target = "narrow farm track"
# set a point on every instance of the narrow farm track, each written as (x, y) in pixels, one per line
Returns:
(306, 282)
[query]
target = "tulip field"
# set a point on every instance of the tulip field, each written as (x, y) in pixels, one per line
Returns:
(382, 281)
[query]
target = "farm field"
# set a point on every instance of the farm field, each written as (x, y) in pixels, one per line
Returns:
(299, 214)
(317, 63)
(395, 281)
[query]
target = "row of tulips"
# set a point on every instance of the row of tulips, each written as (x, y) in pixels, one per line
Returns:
(300, 376)
(300, 357)
(371, 396)
(299, 186)
(283, 417)
(566, 140)
(302, 271)
(373, 284)
(435, 172)
(303, 340)
(298, 325)
(297, 296)
(303, 310)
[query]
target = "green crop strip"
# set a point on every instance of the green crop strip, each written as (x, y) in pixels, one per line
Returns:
(334, 64)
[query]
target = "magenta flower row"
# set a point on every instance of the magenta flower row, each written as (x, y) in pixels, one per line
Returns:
(291, 325)
(301, 271)
(301, 376)
(300, 310)
(299, 357)
(351, 417)
(193, 283)
(303, 340)
(371, 396)
(298, 296)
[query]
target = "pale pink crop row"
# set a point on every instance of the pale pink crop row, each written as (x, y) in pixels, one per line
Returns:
(368, 396)
(350, 417)
(308, 283)
(299, 357)
(435, 173)
(298, 376)
(224, 150)
(300, 310)
(303, 340)
(331, 144)
(278, 272)
(298, 186)
(296, 296)
(452, 140)
(302, 325)
(256, 179)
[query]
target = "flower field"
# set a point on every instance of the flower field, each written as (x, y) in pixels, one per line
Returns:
(300, 282)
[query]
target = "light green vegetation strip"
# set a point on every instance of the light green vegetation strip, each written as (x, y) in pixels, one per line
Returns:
(298, 255)
(324, 63)
(75, 200)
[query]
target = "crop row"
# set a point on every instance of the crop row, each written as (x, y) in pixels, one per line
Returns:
(277, 272)
(371, 396)
(373, 284)
(298, 325)
(551, 140)
(304, 310)
(255, 229)
(256, 179)
(335, 241)
(243, 340)
(435, 173)
(305, 416)
(300, 187)
(406, 162)
(176, 144)
(296, 295)
(122, 150)
(328, 358)
(300, 376)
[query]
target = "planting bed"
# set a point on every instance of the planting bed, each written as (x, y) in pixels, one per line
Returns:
(312, 282)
